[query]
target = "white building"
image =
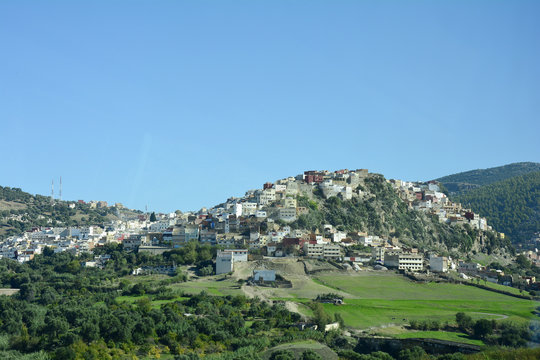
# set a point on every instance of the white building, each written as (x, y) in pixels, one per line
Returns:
(346, 193)
(266, 196)
(224, 262)
(338, 236)
(438, 263)
(249, 208)
(331, 251)
(280, 187)
(160, 226)
(327, 251)
(313, 250)
(289, 202)
(238, 209)
(240, 255)
(404, 261)
(287, 214)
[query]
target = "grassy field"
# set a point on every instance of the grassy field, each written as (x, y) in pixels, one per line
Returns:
(387, 285)
(508, 289)
(360, 313)
(212, 285)
(376, 299)
(440, 335)
(155, 303)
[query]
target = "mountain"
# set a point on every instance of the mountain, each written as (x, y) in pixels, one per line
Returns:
(462, 182)
(511, 206)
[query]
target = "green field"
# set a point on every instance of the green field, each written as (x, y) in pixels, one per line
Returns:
(376, 299)
(212, 285)
(387, 285)
(155, 303)
(440, 335)
(508, 289)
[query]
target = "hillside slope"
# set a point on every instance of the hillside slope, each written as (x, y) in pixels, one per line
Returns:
(21, 211)
(512, 206)
(468, 180)
(380, 211)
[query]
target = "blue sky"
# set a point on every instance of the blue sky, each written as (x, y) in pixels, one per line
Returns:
(182, 104)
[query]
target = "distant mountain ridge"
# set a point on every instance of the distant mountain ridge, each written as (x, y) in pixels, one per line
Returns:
(508, 196)
(511, 206)
(468, 180)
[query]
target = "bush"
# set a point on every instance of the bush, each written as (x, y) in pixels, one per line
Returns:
(310, 355)
(464, 322)
(282, 355)
(482, 328)
(414, 353)
(206, 271)
(514, 335)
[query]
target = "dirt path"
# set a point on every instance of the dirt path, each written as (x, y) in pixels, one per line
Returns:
(255, 291)
(292, 307)
(501, 316)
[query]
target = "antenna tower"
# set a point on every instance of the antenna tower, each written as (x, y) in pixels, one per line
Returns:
(52, 191)
(60, 194)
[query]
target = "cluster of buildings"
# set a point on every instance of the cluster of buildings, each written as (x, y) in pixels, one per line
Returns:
(132, 233)
(429, 198)
(259, 223)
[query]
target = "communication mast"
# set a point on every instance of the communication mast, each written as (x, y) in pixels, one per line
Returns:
(52, 191)
(60, 194)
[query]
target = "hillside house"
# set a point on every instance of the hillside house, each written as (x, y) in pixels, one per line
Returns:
(404, 261)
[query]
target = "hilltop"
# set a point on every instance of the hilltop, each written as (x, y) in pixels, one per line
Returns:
(362, 206)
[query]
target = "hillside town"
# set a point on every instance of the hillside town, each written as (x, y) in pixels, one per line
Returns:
(259, 224)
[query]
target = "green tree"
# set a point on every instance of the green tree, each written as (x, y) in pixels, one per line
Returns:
(310, 355)
(320, 316)
(339, 319)
(464, 321)
(282, 355)
(482, 328)
(523, 262)
(414, 353)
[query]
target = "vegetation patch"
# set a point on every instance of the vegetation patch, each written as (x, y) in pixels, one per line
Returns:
(298, 348)
(440, 335)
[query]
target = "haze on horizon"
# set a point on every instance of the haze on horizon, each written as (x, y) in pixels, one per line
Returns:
(180, 105)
